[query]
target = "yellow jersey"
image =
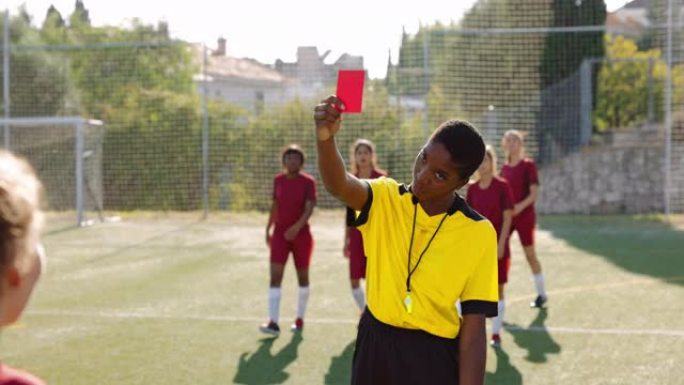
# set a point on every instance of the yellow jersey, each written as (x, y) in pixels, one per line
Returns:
(459, 264)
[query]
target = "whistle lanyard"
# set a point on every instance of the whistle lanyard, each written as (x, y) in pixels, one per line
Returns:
(407, 301)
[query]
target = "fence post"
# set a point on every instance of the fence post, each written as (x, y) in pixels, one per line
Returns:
(586, 80)
(205, 137)
(80, 145)
(6, 77)
(426, 82)
(668, 111)
(651, 63)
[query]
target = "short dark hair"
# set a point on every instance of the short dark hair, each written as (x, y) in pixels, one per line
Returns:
(293, 149)
(464, 143)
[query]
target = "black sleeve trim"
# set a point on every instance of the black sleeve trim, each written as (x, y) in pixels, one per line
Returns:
(363, 216)
(489, 309)
(351, 216)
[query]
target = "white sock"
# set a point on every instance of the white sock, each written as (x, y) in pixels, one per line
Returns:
(359, 297)
(274, 303)
(303, 300)
(539, 284)
(498, 320)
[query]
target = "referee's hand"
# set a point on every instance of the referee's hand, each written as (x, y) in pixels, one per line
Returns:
(328, 117)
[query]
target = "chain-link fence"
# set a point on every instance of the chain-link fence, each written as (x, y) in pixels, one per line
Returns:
(188, 127)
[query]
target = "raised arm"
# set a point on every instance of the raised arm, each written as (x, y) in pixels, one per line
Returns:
(342, 185)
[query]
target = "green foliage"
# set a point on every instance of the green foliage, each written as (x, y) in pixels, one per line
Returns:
(106, 73)
(623, 85)
(557, 124)
(39, 82)
(80, 17)
(467, 70)
(152, 153)
(53, 30)
(564, 52)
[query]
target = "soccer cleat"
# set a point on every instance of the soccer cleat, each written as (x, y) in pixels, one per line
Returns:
(495, 342)
(270, 328)
(539, 302)
(298, 325)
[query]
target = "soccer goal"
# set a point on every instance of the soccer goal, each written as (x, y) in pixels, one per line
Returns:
(67, 155)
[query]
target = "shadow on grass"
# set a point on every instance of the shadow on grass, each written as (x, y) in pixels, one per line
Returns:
(639, 244)
(505, 374)
(535, 338)
(264, 367)
(339, 372)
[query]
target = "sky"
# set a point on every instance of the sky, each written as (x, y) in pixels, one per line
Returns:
(273, 29)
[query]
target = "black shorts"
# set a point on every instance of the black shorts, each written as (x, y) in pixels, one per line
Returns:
(390, 355)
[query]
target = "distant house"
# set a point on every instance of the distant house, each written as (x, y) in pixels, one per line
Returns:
(312, 75)
(241, 81)
(632, 19)
(254, 86)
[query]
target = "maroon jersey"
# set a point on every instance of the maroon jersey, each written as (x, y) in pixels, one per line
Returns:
(291, 195)
(10, 376)
(491, 201)
(520, 177)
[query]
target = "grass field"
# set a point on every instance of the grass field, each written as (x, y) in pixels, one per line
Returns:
(159, 299)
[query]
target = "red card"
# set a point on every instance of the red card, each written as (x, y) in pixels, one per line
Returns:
(350, 89)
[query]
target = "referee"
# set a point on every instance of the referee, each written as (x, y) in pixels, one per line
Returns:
(426, 250)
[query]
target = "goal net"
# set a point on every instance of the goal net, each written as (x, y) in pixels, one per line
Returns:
(67, 155)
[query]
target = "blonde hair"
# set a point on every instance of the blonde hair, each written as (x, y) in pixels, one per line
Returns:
(355, 147)
(21, 216)
(491, 153)
(520, 136)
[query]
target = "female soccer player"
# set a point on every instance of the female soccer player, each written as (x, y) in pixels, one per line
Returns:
(21, 255)
(294, 198)
(521, 174)
(426, 249)
(491, 196)
(364, 165)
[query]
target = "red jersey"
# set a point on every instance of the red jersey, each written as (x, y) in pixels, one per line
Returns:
(11, 376)
(520, 177)
(291, 194)
(491, 201)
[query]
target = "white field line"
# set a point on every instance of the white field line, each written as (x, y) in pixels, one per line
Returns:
(533, 329)
(147, 315)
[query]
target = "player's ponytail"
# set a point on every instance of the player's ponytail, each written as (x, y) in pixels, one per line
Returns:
(20, 213)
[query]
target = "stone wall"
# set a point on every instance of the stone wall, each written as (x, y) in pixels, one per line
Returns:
(625, 174)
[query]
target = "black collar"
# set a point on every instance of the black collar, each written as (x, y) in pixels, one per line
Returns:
(456, 205)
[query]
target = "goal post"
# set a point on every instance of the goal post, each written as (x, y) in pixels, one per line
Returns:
(67, 155)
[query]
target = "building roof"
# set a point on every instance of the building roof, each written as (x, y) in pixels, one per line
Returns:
(637, 4)
(625, 26)
(243, 68)
(645, 4)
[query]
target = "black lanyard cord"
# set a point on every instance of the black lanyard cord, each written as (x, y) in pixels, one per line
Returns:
(413, 233)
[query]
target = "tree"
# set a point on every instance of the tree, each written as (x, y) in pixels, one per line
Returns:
(53, 30)
(558, 127)
(39, 82)
(105, 75)
(623, 85)
(564, 52)
(80, 17)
